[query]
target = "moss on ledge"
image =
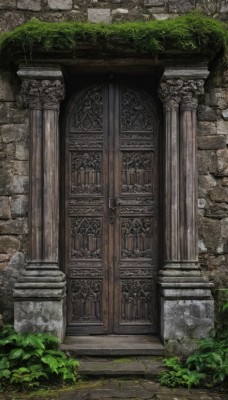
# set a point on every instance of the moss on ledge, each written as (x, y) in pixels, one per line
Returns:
(192, 32)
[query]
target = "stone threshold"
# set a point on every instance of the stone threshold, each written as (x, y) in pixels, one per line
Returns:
(113, 345)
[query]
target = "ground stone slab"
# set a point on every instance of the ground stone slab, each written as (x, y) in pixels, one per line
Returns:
(99, 15)
(32, 5)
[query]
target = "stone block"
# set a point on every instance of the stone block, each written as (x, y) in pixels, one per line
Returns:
(154, 3)
(6, 179)
(192, 319)
(224, 6)
(39, 315)
(9, 244)
(206, 182)
(210, 232)
(6, 87)
(14, 132)
(219, 194)
(32, 5)
(223, 162)
(19, 206)
(20, 184)
(222, 127)
(4, 207)
(217, 210)
(11, 20)
(206, 128)
(224, 228)
(21, 167)
(207, 162)
(121, 11)
(211, 142)
(10, 114)
(181, 6)
(225, 114)
(206, 113)
(97, 15)
(5, 4)
(14, 227)
(60, 4)
(22, 151)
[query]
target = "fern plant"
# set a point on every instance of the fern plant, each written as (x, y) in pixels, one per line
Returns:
(30, 360)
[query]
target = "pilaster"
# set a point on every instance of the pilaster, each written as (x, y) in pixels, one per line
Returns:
(186, 301)
(40, 293)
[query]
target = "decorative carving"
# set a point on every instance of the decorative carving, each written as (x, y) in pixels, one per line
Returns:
(86, 300)
(86, 172)
(136, 115)
(136, 210)
(137, 172)
(85, 200)
(135, 272)
(85, 210)
(88, 111)
(86, 237)
(136, 237)
(38, 93)
(85, 145)
(174, 91)
(136, 300)
(129, 144)
(85, 273)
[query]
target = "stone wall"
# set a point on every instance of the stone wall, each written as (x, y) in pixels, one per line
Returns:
(212, 134)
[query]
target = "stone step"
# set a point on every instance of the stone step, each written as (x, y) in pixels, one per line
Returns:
(113, 345)
(147, 367)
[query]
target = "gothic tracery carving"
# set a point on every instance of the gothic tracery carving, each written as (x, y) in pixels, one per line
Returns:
(86, 172)
(86, 237)
(135, 113)
(136, 234)
(136, 300)
(137, 171)
(88, 112)
(86, 300)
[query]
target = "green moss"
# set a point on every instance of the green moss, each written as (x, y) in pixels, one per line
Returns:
(189, 32)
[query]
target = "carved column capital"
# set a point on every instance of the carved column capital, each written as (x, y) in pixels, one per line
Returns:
(190, 92)
(170, 92)
(38, 93)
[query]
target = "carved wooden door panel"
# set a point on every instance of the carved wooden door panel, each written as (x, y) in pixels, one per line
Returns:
(111, 211)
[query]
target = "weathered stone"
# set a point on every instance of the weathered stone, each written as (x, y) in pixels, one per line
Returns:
(206, 113)
(4, 207)
(225, 114)
(14, 132)
(201, 203)
(210, 232)
(9, 244)
(193, 318)
(6, 87)
(154, 3)
(218, 98)
(10, 114)
(160, 17)
(224, 228)
(211, 142)
(5, 4)
(21, 168)
(14, 227)
(19, 206)
(99, 15)
(224, 6)
(225, 181)
(222, 128)
(22, 151)
(6, 179)
(10, 150)
(32, 5)
(182, 6)
(219, 194)
(217, 210)
(206, 128)
(20, 184)
(206, 182)
(207, 162)
(120, 11)
(11, 20)
(202, 247)
(60, 4)
(223, 162)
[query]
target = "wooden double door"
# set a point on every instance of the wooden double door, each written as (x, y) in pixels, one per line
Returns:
(111, 213)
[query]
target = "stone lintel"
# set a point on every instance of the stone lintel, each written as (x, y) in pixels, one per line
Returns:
(186, 72)
(40, 72)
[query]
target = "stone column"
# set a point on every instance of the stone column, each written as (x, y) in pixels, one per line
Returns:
(185, 295)
(40, 293)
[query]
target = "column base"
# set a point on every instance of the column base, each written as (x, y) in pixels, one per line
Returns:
(186, 307)
(39, 300)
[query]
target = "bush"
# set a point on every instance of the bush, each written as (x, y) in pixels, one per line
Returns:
(32, 359)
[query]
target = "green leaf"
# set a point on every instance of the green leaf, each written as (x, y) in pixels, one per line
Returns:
(16, 353)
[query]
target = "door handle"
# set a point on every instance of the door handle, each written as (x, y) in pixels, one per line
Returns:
(112, 209)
